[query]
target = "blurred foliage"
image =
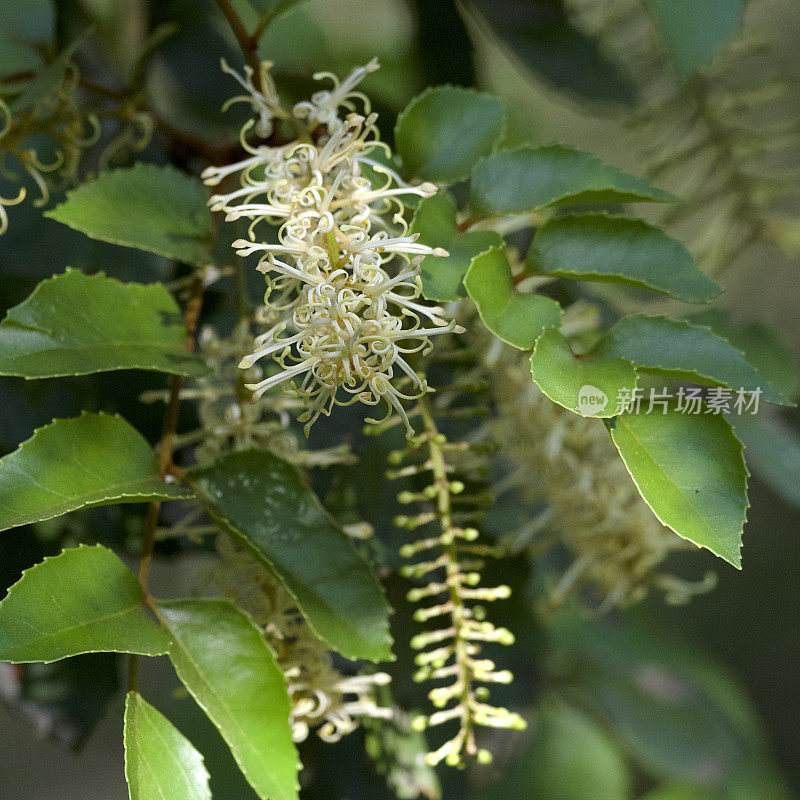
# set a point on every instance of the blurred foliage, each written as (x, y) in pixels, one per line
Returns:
(622, 709)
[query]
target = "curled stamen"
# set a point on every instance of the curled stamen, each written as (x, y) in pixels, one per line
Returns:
(342, 273)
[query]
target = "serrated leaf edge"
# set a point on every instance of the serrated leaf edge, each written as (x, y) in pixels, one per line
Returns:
(513, 291)
(81, 546)
(139, 166)
(166, 603)
(574, 410)
(737, 563)
(151, 288)
(127, 715)
(666, 198)
(113, 499)
(714, 381)
(629, 281)
(461, 90)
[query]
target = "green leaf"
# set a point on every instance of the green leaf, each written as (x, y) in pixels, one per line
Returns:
(84, 600)
(160, 762)
(677, 349)
(152, 208)
(577, 760)
(689, 469)
(223, 660)
(541, 35)
(518, 319)
(92, 460)
(445, 130)
(584, 386)
(693, 33)
(75, 324)
(761, 347)
(596, 247)
(570, 757)
(435, 222)
(529, 178)
(772, 451)
(262, 501)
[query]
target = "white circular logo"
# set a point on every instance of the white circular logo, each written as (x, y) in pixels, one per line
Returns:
(591, 400)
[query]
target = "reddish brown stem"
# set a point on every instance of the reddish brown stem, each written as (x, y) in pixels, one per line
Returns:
(467, 224)
(165, 452)
(515, 279)
(248, 42)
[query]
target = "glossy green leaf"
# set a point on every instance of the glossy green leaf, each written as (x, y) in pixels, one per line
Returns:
(677, 349)
(569, 757)
(152, 208)
(435, 222)
(263, 502)
(92, 460)
(689, 469)
(588, 386)
(596, 247)
(84, 600)
(445, 130)
(693, 33)
(160, 762)
(74, 324)
(772, 451)
(516, 318)
(223, 660)
(542, 36)
(529, 178)
(761, 347)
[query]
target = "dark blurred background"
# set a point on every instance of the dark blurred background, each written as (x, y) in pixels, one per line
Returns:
(562, 80)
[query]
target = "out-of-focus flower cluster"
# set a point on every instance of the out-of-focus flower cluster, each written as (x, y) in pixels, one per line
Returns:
(341, 307)
(322, 696)
(52, 124)
(590, 504)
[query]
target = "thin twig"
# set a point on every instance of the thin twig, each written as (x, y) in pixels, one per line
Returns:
(248, 42)
(165, 453)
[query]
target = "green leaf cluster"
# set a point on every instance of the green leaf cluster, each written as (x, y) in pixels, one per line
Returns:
(688, 467)
(157, 209)
(86, 600)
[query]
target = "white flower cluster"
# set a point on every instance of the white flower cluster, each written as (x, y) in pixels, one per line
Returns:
(228, 422)
(341, 304)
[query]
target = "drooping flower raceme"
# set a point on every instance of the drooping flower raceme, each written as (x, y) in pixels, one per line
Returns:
(328, 696)
(342, 306)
